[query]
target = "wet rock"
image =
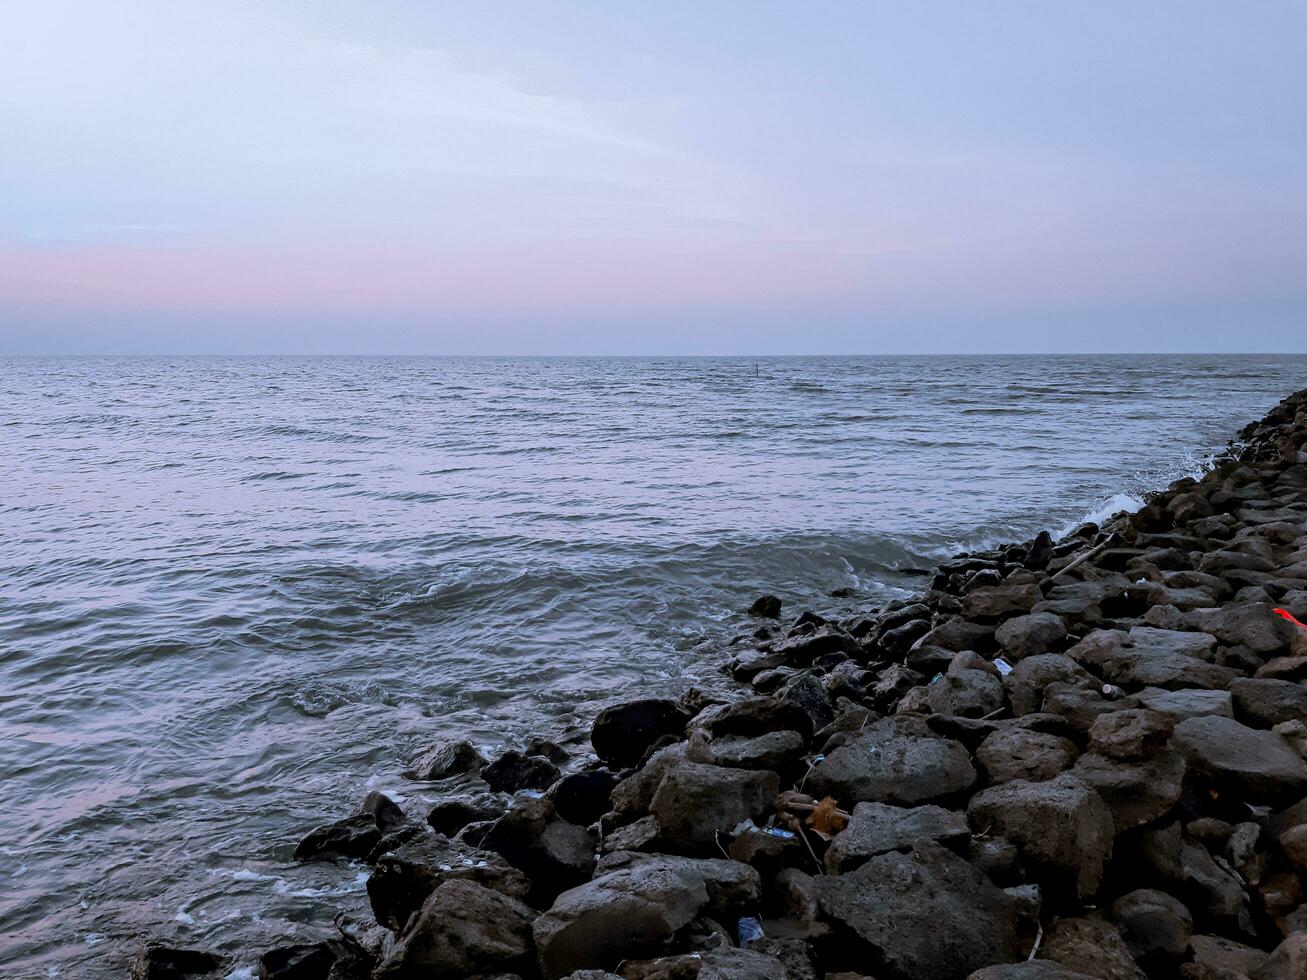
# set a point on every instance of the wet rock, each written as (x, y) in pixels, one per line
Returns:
(926, 913)
(158, 961)
(623, 733)
(1062, 827)
(1017, 753)
(1090, 945)
(451, 815)
(1156, 928)
(446, 759)
(1257, 766)
(634, 911)
(777, 751)
(957, 633)
(551, 750)
(887, 767)
(404, 878)
(804, 648)
(462, 930)
(694, 803)
(1137, 791)
(896, 681)
(766, 607)
(967, 692)
(875, 828)
(553, 853)
(634, 793)
(354, 837)
(807, 694)
(1266, 703)
(1130, 734)
(1030, 635)
(513, 771)
(312, 961)
(898, 641)
(641, 835)
(758, 716)
(582, 797)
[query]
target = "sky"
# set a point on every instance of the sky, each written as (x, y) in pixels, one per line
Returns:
(401, 176)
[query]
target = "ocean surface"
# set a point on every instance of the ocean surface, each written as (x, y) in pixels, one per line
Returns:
(237, 593)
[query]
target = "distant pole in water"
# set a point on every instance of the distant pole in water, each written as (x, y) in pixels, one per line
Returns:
(755, 370)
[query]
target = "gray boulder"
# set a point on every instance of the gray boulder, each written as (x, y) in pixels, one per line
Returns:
(1030, 635)
(1137, 791)
(1062, 828)
(1256, 766)
(1156, 928)
(1266, 703)
(888, 767)
(876, 828)
(1019, 753)
(444, 760)
(967, 693)
(926, 913)
(1026, 683)
(694, 803)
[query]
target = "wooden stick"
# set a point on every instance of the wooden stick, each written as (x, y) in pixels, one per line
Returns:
(1086, 556)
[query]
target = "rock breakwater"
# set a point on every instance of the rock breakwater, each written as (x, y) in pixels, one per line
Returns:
(1064, 759)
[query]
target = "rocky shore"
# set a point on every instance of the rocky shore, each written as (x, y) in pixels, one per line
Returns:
(1083, 758)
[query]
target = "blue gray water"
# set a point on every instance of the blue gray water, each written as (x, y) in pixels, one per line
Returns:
(236, 593)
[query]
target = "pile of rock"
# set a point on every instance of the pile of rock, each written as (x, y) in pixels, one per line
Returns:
(1071, 759)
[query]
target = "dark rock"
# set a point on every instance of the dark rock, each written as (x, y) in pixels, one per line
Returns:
(1156, 928)
(875, 828)
(887, 767)
(807, 694)
(1090, 945)
(1026, 683)
(1030, 635)
(1254, 625)
(1061, 826)
(444, 760)
(1180, 705)
(305, 961)
(766, 607)
(157, 961)
(759, 716)
(551, 750)
(623, 733)
(634, 793)
(898, 641)
(635, 909)
(804, 648)
(404, 878)
(1029, 970)
(1017, 753)
(1266, 703)
(720, 963)
(1219, 953)
(353, 837)
(450, 816)
(694, 803)
(641, 835)
(1288, 961)
(513, 771)
(582, 797)
(1040, 551)
(1138, 791)
(553, 853)
(1255, 766)
(777, 751)
(967, 692)
(462, 930)
(955, 634)
(927, 913)
(1130, 734)
(1170, 671)
(1000, 601)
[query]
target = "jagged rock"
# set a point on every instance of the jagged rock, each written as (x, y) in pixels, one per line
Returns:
(756, 716)
(1026, 683)
(1131, 733)
(1288, 961)
(777, 751)
(1266, 703)
(1019, 753)
(623, 733)
(1062, 828)
(1029, 970)
(1156, 928)
(462, 929)
(1256, 766)
(582, 797)
(1187, 704)
(875, 828)
(966, 692)
(1090, 945)
(1253, 625)
(795, 955)
(157, 961)
(314, 961)
(1137, 791)
(553, 853)
(694, 803)
(513, 771)
(887, 767)
(999, 601)
(634, 910)
(1136, 668)
(451, 815)
(1030, 635)
(634, 793)
(926, 913)
(720, 963)
(807, 694)
(444, 760)
(1219, 953)
(402, 879)
(356, 836)
(896, 681)
(955, 634)
(766, 607)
